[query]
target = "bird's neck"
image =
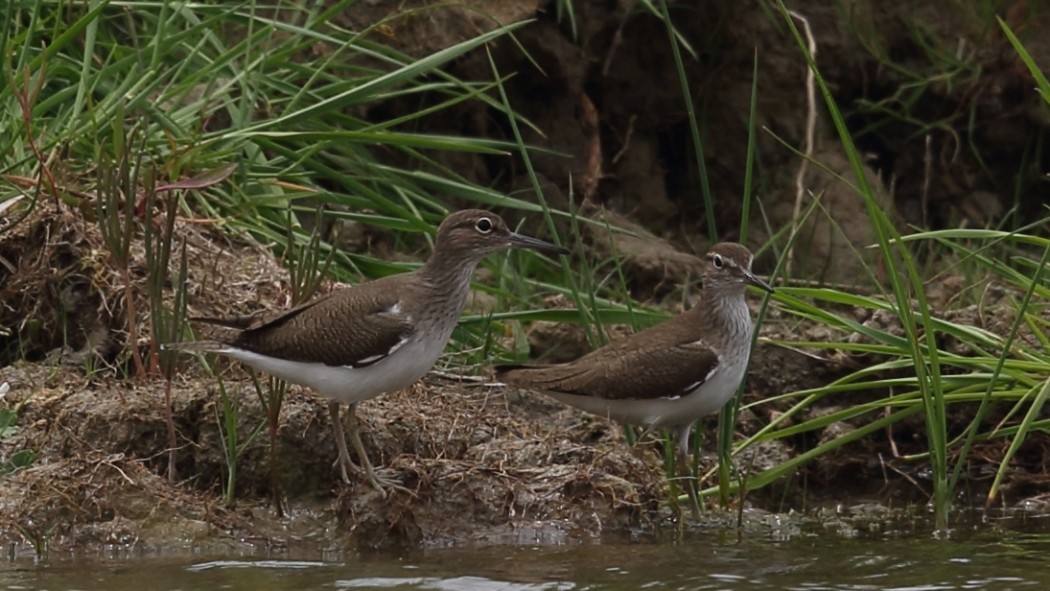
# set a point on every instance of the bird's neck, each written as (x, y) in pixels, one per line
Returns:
(446, 278)
(725, 306)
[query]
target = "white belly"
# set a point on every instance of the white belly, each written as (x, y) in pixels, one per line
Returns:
(707, 399)
(346, 384)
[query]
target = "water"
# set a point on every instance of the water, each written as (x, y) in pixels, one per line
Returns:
(985, 559)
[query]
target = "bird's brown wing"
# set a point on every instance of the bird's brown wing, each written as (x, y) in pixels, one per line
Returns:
(622, 370)
(355, 326)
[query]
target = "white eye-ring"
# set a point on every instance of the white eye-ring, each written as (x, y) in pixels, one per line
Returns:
(716, 260)
(484, 225)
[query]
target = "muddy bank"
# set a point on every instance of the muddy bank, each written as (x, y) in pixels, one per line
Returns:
(477, 463)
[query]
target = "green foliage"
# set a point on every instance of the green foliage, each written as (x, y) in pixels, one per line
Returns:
(980, 369)
(1033, 68)
(907, 288)
(227, 415)
(923, 364)
(118, 187)
(675, 40)
(306, 268)
(563, 10)
(234, 85)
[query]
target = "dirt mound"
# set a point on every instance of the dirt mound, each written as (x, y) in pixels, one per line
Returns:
(476, 462)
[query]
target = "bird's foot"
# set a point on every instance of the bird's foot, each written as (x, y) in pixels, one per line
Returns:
(379, 481)
(386, 484)
(345, 468)
(690, 485)
(383, 484)
(687, 479)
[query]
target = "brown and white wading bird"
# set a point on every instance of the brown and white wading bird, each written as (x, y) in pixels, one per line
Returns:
(668, 375)
(380, 336)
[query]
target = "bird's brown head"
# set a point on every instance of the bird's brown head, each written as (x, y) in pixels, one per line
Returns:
(475, 233)
(729, 264)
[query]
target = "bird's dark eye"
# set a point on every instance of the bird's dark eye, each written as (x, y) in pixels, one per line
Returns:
(717, 261)
(484, 225)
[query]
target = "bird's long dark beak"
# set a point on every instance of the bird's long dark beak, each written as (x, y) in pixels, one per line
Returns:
(522, 241)
(757, 282)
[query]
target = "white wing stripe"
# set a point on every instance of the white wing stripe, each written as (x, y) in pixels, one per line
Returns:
(376, 358)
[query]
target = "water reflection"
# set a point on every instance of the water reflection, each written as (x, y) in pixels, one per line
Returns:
(702, 560)
(451, 584)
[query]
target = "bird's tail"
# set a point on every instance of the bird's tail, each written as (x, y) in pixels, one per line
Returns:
(514, 375)
(194, 346)
(537, 376)
(237, 322)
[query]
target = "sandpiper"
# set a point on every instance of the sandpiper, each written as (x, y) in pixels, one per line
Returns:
(668, 375)
(380, 336)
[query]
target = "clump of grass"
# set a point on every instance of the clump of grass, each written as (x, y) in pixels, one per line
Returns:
(1029, 278)
(168, 323)
(907, 288)
(936, 377)
(271, 397)
(980, 369)
(117, 189)
(227, 418)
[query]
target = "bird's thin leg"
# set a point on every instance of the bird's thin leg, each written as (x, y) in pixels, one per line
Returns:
(684, 471)
(343, 461)
(378, 482)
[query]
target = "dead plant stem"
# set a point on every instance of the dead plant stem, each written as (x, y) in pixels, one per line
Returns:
(170, 419)
(807, 145)
(132, 318)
